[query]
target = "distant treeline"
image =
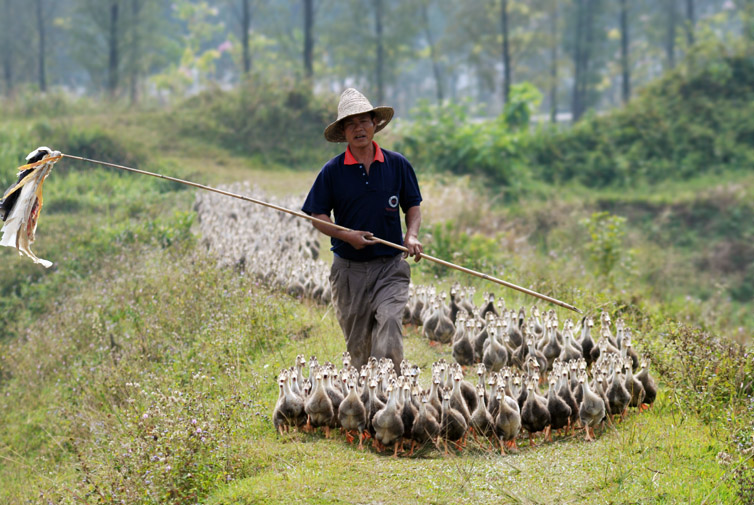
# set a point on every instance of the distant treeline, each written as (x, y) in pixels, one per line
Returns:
(580, 54)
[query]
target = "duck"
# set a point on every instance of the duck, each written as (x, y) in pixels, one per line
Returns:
(617, 395)
(585, 341)
(318, 407)
(463, 352)
(444, 329)
(408, 410)
(537, 356)
(491, 388)
(457, 399)
(418, 307)
(453, 425)
(534, 415)
(495, 354)
(570, 351)
(633, 385)
(479, 338)
(435, 396)
(336, 397)
(430, 322)
(387, 422)
(488, 304)
(352, 415)
(514, 330)
(467, 390)
(481, 422)
(648, 383)
(591, 410)
(373, 405)
(564, 391)
(507, 421)
(426, 428)
(552, 348)
(454, 307)
(560, 411)
(289, 409)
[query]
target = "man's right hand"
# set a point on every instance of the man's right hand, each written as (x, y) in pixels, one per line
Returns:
(359, 239)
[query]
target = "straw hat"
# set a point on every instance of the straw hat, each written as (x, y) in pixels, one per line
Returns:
(353, 103)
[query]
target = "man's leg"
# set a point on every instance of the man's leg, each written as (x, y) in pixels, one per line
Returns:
(352, 307)
(389, 298)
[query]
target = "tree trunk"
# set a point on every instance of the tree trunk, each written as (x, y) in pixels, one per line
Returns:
(113, 63)
(6, 49)
(308, 38)
(245, 28)
(432, 52)
(380, 51)
(554, 63)
(135, 52)
(41, 29)
(670, 36)
(690, 22)
(578, 73)
(624, 43)
(506, 53)
(587, 54)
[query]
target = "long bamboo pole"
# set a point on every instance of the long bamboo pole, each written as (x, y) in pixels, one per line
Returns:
(314, 219)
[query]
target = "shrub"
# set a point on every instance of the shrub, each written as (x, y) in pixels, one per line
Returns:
(447, 138)
(697, 119)
(605, 245)
(474, 251)
(710, 376)
(281, 122)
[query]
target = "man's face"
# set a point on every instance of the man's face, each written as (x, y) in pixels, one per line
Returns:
(359, 130)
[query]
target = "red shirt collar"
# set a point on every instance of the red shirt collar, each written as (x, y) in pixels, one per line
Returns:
(378, 156)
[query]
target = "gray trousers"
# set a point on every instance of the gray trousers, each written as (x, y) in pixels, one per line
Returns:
(369, 297)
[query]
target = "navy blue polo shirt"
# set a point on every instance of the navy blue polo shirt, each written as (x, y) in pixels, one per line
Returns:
(366, 202)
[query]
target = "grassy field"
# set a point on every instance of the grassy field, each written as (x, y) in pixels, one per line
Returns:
(136, 371)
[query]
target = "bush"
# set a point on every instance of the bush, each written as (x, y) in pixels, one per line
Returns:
(447, 138)
(447, 242)
(698, 119)
(710, 376)
(280, 122)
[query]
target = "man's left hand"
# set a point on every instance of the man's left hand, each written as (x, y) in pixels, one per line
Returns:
(414, 247)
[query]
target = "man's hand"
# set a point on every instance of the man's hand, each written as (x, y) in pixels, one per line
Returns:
(414, 247)
(359, 239)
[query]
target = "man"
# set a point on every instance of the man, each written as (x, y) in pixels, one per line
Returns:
(364, 187)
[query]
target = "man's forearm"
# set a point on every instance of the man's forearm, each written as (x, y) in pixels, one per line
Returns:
(413, 221)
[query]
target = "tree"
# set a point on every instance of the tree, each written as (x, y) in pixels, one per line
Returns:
(690, 22)
(624, 43)
(40, 16)
(554, 43)
(7, 47)
(380, 60)
(585, 74)
(672, 14)
(245, 28)
(308, 38)
(424, 11)
(113, 61)
(506, 52)
(135, 49)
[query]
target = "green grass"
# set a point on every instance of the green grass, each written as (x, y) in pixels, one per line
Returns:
(135, 320)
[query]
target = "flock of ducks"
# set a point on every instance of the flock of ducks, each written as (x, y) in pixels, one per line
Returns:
(586, 385)
(534, 375)
(279, 249)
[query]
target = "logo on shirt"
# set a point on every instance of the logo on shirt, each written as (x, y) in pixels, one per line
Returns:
(393, 201)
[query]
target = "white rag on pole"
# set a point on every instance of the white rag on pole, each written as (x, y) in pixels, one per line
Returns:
(21, 222)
